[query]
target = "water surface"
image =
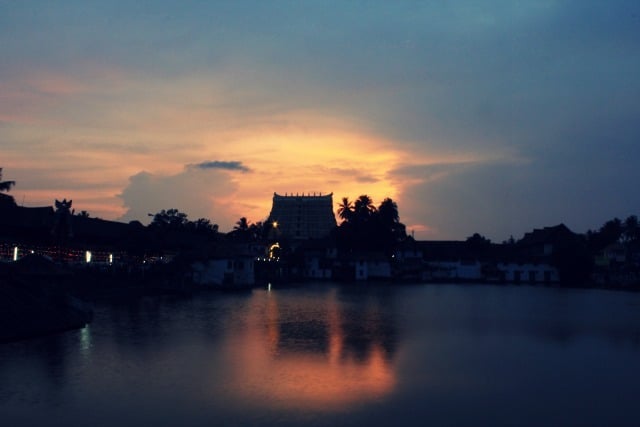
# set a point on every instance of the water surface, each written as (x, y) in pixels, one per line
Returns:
(441, 355)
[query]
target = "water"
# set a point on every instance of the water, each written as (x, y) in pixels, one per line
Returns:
(441, 355)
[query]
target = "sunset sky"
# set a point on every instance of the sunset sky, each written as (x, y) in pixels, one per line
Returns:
(474, 116)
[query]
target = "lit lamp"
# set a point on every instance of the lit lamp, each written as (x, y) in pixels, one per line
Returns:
(274, 252)
(274, 232)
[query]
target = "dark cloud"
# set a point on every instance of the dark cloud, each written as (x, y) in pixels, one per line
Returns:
(218, 164)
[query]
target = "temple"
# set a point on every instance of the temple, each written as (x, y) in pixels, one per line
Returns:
(301, 217)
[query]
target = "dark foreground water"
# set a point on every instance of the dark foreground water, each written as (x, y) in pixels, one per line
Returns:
(433, 355)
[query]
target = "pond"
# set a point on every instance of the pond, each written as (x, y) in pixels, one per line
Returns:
(325, 354)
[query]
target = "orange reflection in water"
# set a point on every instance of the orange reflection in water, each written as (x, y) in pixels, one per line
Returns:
(305, 370)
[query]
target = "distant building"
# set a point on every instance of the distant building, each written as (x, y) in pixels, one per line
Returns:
(546, 242)
(19, 220)
(230, 267)
(302, 217)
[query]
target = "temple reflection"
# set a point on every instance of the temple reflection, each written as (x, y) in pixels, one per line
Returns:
(312, 353)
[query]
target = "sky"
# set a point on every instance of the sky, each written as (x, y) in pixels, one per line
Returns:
(492, 116)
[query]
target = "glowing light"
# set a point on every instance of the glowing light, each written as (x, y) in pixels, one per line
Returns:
(274, 251)
(110, 258)
(275, 224)
(87, 256)
(15, 253)
(269, 287)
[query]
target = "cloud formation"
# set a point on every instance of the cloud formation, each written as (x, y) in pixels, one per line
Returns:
(198, 193)
(492, 117)
(218, 164)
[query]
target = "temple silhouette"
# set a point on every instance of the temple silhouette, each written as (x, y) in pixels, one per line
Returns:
(303, 217)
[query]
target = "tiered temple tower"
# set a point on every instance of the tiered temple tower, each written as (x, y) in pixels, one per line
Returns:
(301, 217)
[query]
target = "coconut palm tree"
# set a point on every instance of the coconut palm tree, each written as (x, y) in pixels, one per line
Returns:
(5, 185)
(345, 209)
(363, 207)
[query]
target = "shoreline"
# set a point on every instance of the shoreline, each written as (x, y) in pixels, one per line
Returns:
(34, 305)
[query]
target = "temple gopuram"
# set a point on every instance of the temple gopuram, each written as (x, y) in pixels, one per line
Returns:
(302, 217)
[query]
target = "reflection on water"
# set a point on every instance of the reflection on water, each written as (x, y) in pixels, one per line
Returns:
(329, 355)
(311, 352)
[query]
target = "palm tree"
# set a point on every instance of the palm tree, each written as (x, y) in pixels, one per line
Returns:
(345, 209)
(363, 207)
(241, 225)
(5, 185)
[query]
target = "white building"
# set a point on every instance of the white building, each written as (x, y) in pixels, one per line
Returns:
(372, 267)
(456, 270)
(529, 273)
(234, 271)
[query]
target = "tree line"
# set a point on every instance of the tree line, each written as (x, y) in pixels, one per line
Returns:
(626, 232)
(367, 227)
(363, 226)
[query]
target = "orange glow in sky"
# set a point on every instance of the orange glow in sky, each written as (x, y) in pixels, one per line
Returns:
(463, 115)
(144, 125)
(123, 145)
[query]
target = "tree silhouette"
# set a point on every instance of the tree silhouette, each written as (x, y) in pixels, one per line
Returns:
(478, 240)
(5, 185)
(363, 208)
(614, 231)
(366, 228)
(241, 225)
(170, 219)
(345, 209)
(257, 230)
(174, 220)
(631, 231)
(610, 232)
(202, 226)
(388, 211)
(245, 232)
